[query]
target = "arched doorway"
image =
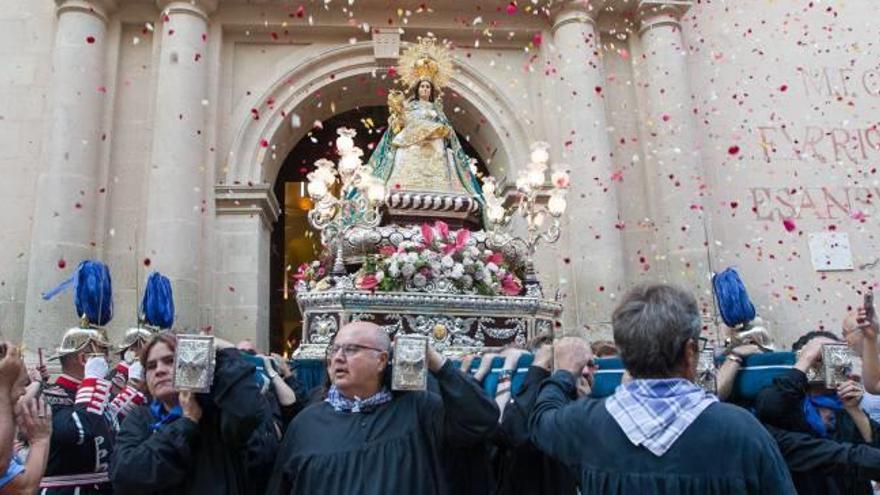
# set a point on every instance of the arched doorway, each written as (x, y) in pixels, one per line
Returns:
(316, 89)
(293, 241)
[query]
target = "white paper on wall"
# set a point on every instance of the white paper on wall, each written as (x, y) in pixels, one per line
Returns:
(830, 251)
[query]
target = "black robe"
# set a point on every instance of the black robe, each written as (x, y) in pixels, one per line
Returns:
(522, 468)
(395, 448)
(724, 451)
(805, 453)
(780, 405)
(183, 457)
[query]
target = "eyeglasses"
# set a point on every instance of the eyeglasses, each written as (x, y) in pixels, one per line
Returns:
(349, 350)
(592, 364)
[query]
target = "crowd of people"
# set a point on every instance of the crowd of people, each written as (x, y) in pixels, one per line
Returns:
(127, 430)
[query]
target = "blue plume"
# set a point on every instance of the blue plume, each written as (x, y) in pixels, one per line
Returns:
(733, 300)
(157, 306)
(93, 291)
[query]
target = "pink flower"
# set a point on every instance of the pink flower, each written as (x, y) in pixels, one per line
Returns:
(510, 285)
(496, 258)
(368, 282)
(427, 234)
(387, 250)
(442, 228)
(461, 238)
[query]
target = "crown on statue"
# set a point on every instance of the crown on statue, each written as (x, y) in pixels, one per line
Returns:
(426, 61)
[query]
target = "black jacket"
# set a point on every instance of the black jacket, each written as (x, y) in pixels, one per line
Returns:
(184, 457)
(780, 405)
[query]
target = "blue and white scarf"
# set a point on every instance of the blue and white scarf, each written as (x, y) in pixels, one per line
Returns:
(356, 405)
(654, 413)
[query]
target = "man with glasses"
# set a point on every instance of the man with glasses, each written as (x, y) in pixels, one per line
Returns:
(364, 438)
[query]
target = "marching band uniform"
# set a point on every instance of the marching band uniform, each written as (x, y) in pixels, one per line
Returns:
(82, 431)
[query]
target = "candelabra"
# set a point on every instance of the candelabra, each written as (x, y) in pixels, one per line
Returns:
(356, 202)
(531, 189)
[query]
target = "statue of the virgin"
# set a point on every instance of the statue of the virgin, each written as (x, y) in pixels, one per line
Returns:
(420, 152)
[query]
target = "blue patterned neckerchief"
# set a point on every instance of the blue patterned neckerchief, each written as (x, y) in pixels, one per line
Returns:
(814, 417)
(655, 413)
(341, 403)
(162, 417)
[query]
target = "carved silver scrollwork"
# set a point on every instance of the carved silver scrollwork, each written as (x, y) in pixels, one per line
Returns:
(322, 328)
(517, 329)
(390, 329)
(444, 331)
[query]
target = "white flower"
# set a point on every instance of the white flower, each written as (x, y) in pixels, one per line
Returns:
(457, 270)
(408, 270)
(467, 281)
(419, 280)
(447, 261)
(473, 252)
(380, 275)
(435, 266)
(492, 267)
(411, 257)
(393, 270)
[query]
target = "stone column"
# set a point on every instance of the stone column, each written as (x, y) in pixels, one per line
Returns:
(177, 199)
(65, 216)
(243, 238)
(671, 150)
(596, 257)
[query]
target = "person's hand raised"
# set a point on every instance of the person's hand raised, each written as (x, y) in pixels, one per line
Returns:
(850, 394)
(571, 354)
(10, 367)
(190, 406)
(34, 419)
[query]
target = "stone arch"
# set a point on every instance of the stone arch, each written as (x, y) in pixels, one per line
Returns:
(498, 134)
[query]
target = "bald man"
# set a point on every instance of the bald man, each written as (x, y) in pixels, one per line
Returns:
(363, 438)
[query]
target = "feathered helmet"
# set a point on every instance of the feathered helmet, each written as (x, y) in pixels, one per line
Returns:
(426, 61)
(93, 299)
(738, 312)
(156, 311)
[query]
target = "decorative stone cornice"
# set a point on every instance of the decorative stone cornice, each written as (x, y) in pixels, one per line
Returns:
(658, 13)
(241, 199)
(198, 8)
(99, 8)
(574, 11)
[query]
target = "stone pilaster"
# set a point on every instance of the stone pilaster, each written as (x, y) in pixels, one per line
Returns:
(671, 150)
(177, 199)
(596, 271)
(65, 217)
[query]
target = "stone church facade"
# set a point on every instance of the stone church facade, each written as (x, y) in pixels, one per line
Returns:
(698, 135)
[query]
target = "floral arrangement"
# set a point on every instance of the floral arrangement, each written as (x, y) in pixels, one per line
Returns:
(308, 275)
(444, 260)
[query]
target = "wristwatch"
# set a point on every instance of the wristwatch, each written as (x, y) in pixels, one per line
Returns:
(735, 358)
(272, 373)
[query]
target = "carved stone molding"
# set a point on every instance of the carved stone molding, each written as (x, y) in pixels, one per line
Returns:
(99, 8)
(652, 14)
(240, 199)
(199, 8)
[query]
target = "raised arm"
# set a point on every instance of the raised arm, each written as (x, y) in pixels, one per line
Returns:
(468, 415)
(236, 394)
(554, 414)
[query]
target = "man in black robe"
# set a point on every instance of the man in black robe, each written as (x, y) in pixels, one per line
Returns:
(522, 468)
(659, 433)
(365, 439)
